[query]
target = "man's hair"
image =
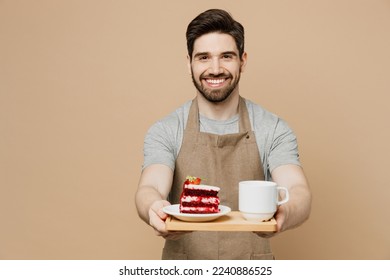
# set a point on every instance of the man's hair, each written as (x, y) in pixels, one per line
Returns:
(214, 20)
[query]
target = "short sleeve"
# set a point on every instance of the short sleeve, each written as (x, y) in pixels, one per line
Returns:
(284, 147)
(158, 146)
(163, 140)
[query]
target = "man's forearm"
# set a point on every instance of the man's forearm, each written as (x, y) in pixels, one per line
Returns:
(154, 185)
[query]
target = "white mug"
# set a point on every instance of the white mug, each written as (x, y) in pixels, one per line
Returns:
(258, 200)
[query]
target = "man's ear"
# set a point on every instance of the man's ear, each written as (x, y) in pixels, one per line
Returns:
(244, 58)
(189, 64)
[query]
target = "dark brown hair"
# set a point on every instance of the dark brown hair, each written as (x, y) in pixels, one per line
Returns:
(214, 20)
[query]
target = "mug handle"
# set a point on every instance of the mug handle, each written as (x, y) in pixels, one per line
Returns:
(287, 195)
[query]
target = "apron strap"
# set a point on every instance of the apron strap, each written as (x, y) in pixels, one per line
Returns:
(193, 117)
(245, 124)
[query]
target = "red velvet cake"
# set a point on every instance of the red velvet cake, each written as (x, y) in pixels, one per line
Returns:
(197, 198)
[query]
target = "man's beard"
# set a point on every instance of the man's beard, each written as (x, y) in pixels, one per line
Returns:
(216, 95)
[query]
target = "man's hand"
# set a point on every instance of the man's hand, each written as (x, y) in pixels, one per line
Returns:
(157, 219)
(280, 217)
(297, 210)
(154, 186)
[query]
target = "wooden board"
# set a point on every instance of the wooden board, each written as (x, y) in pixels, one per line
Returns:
(230, 222)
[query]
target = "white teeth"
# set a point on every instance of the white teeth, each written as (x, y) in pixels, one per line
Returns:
(215, 81)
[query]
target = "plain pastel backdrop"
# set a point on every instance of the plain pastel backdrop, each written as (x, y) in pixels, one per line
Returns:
(82, 81)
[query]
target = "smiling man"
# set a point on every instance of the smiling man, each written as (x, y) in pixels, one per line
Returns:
(216, 66)
(225, 138)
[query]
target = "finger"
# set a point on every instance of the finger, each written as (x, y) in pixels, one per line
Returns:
(266, 234)
(174, 235)
(157, 208)
(158, 225)
(162, 214)
(280, 218)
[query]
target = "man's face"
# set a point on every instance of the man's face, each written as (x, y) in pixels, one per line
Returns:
(216, 66)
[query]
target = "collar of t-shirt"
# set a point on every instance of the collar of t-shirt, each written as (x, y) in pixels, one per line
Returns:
(219, 127)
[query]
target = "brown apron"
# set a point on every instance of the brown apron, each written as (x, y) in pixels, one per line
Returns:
(223, 161)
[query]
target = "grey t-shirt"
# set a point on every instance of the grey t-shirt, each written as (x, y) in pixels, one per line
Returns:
(276, 141)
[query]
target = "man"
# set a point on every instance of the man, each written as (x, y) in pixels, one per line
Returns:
(222, 137)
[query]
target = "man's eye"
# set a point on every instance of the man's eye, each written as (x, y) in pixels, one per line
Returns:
(203, 57)
(227, 56)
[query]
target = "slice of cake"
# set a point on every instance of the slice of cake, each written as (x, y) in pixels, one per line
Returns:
(198, 199)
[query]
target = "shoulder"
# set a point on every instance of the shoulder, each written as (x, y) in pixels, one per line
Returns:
(276, 140)
(260, 117)
(172, 122)
(268, 126)
(163, 139)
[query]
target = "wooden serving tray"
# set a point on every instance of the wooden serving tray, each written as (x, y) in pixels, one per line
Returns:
(230, 222)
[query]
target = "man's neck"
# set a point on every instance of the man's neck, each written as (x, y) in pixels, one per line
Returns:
(221, 110)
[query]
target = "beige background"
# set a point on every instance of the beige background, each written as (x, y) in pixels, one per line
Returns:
(81, 82)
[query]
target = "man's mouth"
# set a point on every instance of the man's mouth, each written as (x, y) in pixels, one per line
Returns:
(214, 82)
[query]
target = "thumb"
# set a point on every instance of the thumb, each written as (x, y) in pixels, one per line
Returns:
(158, 208)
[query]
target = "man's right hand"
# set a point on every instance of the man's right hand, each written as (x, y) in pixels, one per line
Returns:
(157, 219)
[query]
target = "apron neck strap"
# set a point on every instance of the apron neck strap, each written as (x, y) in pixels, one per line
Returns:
(193, 116)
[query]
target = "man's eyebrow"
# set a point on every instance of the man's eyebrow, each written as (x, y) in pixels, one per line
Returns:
(201, 54)
(223, 53)
(230, 52)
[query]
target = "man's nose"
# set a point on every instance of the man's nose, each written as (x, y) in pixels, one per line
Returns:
(216, 66)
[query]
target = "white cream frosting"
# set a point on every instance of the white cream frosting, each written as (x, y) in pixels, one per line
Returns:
(209, 199)
(203, 187)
